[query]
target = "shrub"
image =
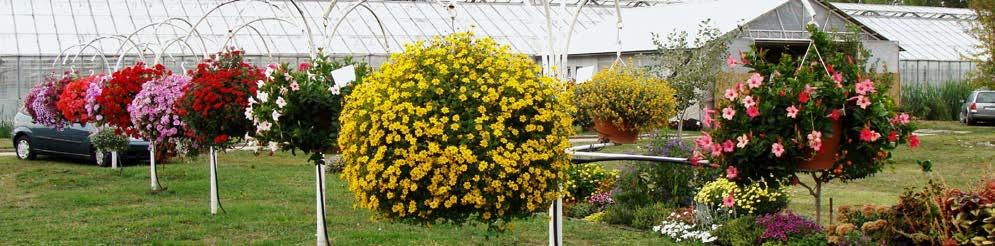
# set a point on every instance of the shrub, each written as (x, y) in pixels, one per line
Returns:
(666, 145)
(931, 102)
(107, 140)
(581, 210)
(742, 231)
(585, 179)
(629, 97)
(649, 216)
(595, 217)
(781, 226)
(619, 214)
(757, 198)
(456, 127)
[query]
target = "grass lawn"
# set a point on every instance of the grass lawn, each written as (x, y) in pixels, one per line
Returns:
(269, 200)
(6, 143)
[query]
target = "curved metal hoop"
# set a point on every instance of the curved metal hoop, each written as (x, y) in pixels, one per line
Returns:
(232, 33)
(307, 28)
(362, 3)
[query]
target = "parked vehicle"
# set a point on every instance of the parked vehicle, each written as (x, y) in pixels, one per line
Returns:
(31, 140)
(979, 106)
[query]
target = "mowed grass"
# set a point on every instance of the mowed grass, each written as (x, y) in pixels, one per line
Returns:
(269, 200)
(6, 143)
(960, 160)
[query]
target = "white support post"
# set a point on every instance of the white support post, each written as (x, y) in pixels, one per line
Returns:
(113, 159)
(556, 222)
(213, 160)
(152, 173)
(319, 188)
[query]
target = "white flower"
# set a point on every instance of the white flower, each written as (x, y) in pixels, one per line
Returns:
(287, 76)
(276, 115)
(269, 72)
(334, 89)
(280, 102)
(248, 113)
(272, 146)
(263, 96)
(264, 126)
(260, 83)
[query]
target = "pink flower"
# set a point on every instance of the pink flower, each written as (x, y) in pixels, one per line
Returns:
(815, 140)
(865, 86)
(742, 141)
(304, 66)
(731, 94)
(893, 136)
(863, 102)
(728, 146)
(809, 89)
(868, 135)
(838, 78)
(729, 201)
(739, 87)
(749, 102)
(753, 112)
(835, 115)
(294, 86)
(777, 149)
(755, 81)
(695, 158)
(731, 172)
(792, 112)
(731, 62)
(716, 150)
(704, 142)
(901, 119)
(728, 113)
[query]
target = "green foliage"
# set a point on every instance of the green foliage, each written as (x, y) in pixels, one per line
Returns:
(692, 72)
(649, 216)
(585, 179)
(983, 29)
(108, 140)
(619, 214)
(929, 102)
(742, 231)
(6, 127)
(581, 210)
(646, 183)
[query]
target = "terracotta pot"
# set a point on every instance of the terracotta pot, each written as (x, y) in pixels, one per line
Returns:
(609, 130)
(826, 157)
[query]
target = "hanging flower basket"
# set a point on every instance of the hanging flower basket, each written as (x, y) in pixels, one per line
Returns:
(614, 133)
(826, 156)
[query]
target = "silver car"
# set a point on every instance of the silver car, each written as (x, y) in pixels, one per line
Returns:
(979, 106)
(32, 139)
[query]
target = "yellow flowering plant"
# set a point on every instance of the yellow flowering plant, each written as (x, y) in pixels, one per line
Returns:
(629, 97)
(456, 129)
(756, 198)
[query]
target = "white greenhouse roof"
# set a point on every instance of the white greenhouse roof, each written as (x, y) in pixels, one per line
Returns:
(47, 27)
(639, 24)
(925, 33)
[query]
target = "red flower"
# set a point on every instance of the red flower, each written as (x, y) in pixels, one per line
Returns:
(121, 90)
(835, 115)
(913, 141)
(220, 139)
(803, 97)
(892, 137)
(753, 112)
(868, 135)
(72, 102)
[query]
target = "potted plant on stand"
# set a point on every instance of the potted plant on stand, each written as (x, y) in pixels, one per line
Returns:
(213, 106)
(825, 113)
(623, 100)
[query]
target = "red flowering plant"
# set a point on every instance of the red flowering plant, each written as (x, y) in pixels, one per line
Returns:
(120, 91)
(299, 108)
(764, 127)
(72, 101)
(215, 99)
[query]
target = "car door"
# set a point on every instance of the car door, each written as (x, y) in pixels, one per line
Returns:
(70, 141)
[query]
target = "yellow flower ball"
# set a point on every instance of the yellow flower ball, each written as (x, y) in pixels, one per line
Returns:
(439, 134)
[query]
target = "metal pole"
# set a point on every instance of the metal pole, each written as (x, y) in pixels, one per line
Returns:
(213, 163)
(155, 177)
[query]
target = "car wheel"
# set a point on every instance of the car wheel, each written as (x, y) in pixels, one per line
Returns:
(102, 159)
(970, 121)
(23, 148)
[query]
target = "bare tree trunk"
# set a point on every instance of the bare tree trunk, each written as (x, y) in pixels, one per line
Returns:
(680, 123)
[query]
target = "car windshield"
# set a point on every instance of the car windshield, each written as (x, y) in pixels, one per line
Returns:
(986, 97)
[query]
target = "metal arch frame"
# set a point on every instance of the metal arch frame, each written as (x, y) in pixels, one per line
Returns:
(303, 18)
(169, 43)
(200, 36)
(100, 52)
(157, 25)
(349, 10)
(233, 32)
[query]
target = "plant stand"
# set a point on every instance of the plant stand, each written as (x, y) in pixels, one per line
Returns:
(152, 172)
(319, 188)
(213, 169)
(113, 159)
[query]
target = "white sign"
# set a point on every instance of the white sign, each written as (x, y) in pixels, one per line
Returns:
(344, 75)
(584, 74)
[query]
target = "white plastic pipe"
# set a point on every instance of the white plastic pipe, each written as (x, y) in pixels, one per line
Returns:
(152, 173)
(319, 205)
(556, 222)
(113, 159)
(213, 156)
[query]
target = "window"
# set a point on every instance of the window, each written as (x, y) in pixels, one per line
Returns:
(776, 49)
(986, 97)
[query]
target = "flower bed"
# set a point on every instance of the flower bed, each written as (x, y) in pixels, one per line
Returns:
(454, 129)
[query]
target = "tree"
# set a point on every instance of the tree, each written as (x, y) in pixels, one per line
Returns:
(984, 30)
(690, 66)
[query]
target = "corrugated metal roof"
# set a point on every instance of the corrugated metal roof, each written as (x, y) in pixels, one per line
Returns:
(46, 27)
(925, 33)
(639, 24)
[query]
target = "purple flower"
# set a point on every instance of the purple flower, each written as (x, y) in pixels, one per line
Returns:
(92, 107)
(152, 110)
(43, 104)
(600, 199)
(781, 225)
